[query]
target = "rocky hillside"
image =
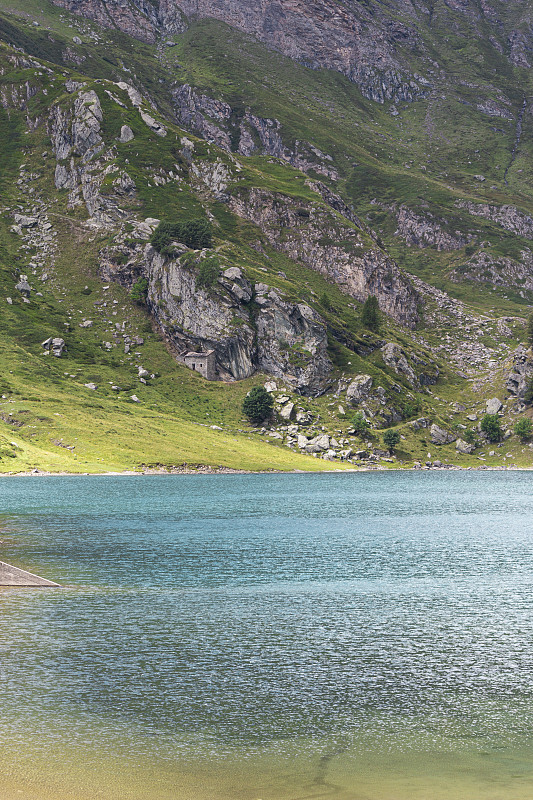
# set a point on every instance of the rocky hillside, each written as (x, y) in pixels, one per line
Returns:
(329, 153)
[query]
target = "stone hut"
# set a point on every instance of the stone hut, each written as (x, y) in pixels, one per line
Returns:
(204, 363)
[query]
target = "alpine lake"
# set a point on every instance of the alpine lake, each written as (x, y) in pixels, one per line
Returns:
(274, 637)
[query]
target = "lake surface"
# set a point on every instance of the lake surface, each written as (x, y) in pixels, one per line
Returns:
(236, 637)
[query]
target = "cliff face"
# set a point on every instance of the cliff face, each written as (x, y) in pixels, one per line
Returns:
(348, 38)
(321, 239)
(285, 339)
(376, 45)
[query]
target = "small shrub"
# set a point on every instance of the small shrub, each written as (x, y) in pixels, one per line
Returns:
(139, 291)
(208, 273)
(391, 439)
(195, 233)
(257, 404)
(469, 436)
(411, 408)
(359, 424)
(370, 315)
(523, 428)
(490, 425)
(325, 302)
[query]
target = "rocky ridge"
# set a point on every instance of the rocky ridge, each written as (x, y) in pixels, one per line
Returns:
(321, 34)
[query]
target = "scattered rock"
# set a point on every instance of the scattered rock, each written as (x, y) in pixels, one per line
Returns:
(440, 435)
(286, 411)
(92, 386)
(126, 134)
(493, 405)
(359, 389)
(463, 447)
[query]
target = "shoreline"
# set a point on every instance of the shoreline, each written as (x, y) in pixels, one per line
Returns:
(37, 473)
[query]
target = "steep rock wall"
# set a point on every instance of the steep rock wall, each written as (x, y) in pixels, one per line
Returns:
(317, 237)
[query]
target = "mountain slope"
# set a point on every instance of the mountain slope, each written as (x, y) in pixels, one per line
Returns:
(319, 191)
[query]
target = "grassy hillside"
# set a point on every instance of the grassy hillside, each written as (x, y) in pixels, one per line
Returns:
(423, 156)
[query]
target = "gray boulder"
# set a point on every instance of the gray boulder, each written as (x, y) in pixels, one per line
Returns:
(126, 134)
(286, 412)
(440, 435)
(395, 359)
(493, 405)
(23, 286)
(359, 389)
(55, 346)
(463, 447)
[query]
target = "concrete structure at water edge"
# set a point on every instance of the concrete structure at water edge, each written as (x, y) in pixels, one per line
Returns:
(204, 363)
(13, 576)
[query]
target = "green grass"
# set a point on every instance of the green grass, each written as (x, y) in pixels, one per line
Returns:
(425, 158)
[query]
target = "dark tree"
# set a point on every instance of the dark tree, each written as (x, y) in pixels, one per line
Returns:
(139, 291)
(360, 424)
(195, 233)
(208, 273)
(370, 315)
(325, 302)
(257, 404)
(528, 397)
(391, 439)
(490, 425)
(523, 428)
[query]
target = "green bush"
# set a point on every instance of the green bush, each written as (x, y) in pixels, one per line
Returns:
(370, 315)
(469, 436)
(257, 404)
(195, 233)
(490, 425)
(391, 439)
(411, 408)
(359, 424)
(139, 291)
(325, 302)
(523, 427)
(208, 273)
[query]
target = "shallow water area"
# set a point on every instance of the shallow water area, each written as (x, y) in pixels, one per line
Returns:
(360, 636)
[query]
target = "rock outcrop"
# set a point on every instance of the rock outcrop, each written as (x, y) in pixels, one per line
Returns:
(320, 33)
(83, 160)
(284, 339)
(508, 217)
(508, 273)
(325, 242)
(229, 128)
(425, 231)
(415, 370)
(520, 372)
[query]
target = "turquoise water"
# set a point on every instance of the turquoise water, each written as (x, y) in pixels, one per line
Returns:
(363, 637)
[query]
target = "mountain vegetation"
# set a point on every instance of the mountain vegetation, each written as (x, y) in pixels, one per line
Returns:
(338, 204)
